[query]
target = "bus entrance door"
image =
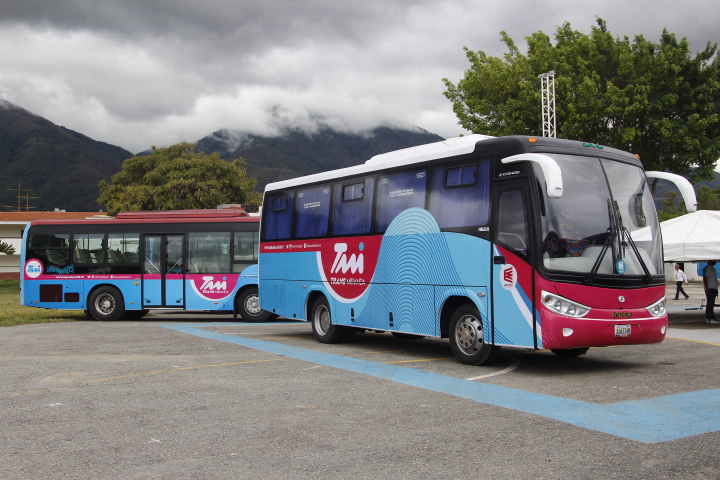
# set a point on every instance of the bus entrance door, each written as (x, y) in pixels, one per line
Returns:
(512, 274)
(163, 271)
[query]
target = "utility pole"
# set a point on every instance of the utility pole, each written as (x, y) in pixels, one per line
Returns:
(547, 91)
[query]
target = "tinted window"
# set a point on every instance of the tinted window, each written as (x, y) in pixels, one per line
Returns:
(353, 192)
(245, 250)
(53, 250)
(398, 192)
(353, 208)
(312, 207)
(277, 224)
(123, 248)
(88, 248)
(460, 196)
(209, 252)
(53, 240)
(512, 226)
(462, 175)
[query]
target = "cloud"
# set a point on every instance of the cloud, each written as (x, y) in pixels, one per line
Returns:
(153, 72)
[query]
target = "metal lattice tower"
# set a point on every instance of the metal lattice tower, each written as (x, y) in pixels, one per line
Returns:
(547, 90)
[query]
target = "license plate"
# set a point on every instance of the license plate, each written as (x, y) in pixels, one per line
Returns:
(622, 330)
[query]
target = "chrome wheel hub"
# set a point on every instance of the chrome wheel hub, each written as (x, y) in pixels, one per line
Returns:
(469, 334)
(252, 305)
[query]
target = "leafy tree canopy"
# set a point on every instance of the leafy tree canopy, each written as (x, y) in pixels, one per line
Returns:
(653, 99)
(673, 205)
(175, 178)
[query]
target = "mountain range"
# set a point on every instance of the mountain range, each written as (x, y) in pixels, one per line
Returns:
(47, 166)
(44, 166)
(296, 152)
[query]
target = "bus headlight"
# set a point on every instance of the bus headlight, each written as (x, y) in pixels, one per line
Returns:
(657, 309)
(563, 306)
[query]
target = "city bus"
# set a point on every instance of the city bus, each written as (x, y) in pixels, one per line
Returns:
(518, 241)
(123, 267)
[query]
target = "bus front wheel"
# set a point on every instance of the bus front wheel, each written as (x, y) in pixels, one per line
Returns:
(106, 303)
(322, 326)
(247, 304)
(467, 339)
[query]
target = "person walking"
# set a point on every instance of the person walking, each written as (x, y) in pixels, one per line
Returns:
(680, 278)
(710, 283)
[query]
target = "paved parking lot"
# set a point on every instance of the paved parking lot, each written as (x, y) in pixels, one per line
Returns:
(180, 396)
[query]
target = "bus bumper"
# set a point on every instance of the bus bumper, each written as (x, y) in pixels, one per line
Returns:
(561, 332)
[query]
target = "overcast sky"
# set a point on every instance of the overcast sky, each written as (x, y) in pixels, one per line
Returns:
(136, 73)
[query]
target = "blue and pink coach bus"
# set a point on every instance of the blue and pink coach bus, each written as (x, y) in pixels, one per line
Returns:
(123, 267)
(518, 241)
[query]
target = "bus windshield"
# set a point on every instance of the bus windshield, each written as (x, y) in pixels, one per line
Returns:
(617, 220)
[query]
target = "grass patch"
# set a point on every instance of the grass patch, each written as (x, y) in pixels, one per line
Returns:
(12, 313)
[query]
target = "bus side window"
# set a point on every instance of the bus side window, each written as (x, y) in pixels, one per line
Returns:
(52, 249)
(397, 192)
(511, 228)
(460, 195)
(245, 250)
(353, 207)
(123, 248)
(88, 248)
(277, 223)
(209, 252)
(312, 211)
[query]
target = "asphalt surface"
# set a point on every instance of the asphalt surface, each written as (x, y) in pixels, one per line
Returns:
(198, 396)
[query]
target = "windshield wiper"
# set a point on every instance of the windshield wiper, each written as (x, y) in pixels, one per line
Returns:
(609, 243)
(624, 233)
(617, 232)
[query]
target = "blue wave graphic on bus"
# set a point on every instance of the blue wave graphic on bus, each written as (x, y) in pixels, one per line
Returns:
(420, 267)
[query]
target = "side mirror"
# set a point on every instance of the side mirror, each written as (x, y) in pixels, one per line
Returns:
(686, 189)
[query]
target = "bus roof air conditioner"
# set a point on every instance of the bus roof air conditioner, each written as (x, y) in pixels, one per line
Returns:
(550, 168)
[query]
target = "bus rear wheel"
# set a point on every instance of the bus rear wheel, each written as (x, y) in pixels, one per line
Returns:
(247, 304)
(322, 326)
(570, 352)
(106, 303)
(467, 339)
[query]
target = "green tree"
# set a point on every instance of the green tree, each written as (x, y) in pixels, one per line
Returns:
(708, 199)
(653, 99)
(6, 248)
(672, 206)
(177, 178)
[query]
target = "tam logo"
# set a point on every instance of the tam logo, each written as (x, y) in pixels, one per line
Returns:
(208, 284)
(347, 266)
(33, 268)
(355, 264)
(213, 287)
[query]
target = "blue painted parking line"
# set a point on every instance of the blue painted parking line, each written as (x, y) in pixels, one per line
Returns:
(651, 420)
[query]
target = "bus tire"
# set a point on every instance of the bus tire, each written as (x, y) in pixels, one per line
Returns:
(247, 305)
(107, 304)
(322, 326)
(467, 339)
(570, 352)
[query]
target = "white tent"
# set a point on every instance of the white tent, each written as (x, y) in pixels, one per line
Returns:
(693, 237)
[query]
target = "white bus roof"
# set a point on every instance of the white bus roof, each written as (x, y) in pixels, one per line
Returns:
(407, 156)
